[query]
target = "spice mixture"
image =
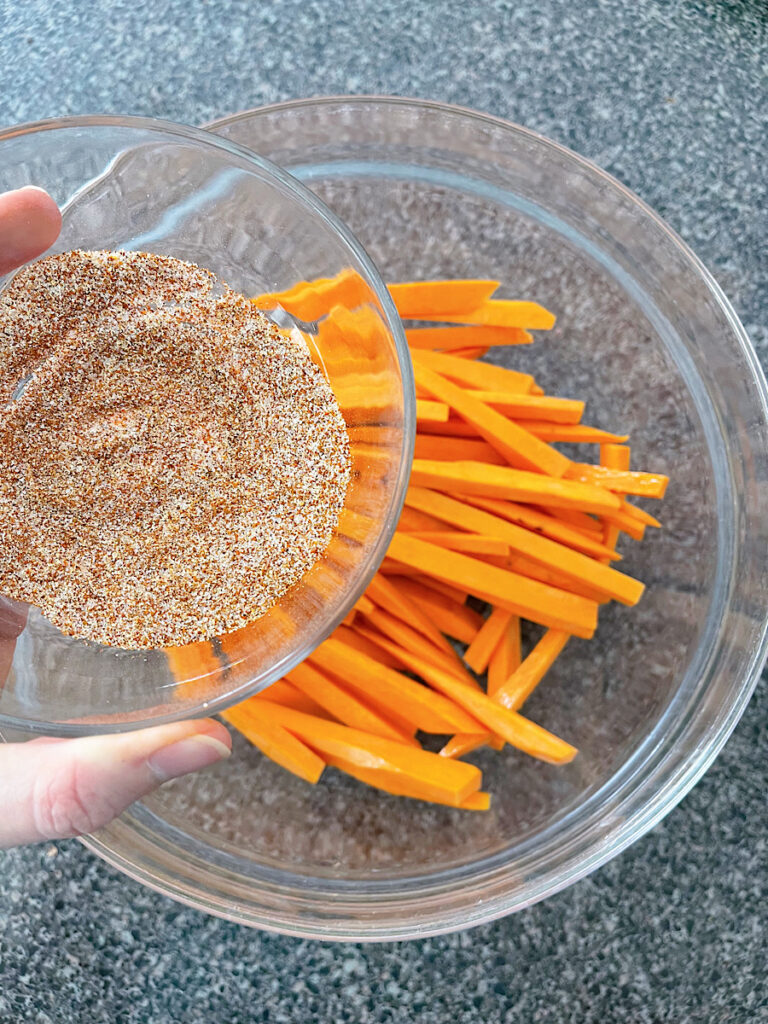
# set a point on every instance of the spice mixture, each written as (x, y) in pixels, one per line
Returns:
(170, 462)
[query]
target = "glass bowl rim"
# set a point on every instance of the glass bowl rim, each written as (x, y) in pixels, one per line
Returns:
(291, 185)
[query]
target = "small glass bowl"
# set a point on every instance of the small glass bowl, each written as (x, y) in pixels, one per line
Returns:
(646, 336)
(133, 183)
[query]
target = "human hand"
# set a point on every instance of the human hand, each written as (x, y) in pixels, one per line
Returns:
(55, 788)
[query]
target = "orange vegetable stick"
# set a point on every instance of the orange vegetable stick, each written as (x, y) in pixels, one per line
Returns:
(399, 785)
(383, 686)
(613, 456)
(480, 376)
(282, 692)
(479, 652)
(431, 412)
(540, 522)
(364, 604)
(572, 565)
(427, 300)
(410, 640)
(524, 680)
(533, 407)
(645, 485)
(587, 524)
(506, 657)
(411, 520)
(454, 428)
(471, 543)
(509, 725)
(466, 742)
(639, 514)
(274, 741)
(352, 638)
(471, 353)
(455, 449)
(310, 300)
(514, 484)
(388, 596)
(459, 596)
(529, 598)
(577, 433)
(452, 618)
(512, 441)
(464, 341)
(364, 751)
(479, 801)
(344, 706)
(350, 617)
(536, 390)
(506, 313)
(194, 663)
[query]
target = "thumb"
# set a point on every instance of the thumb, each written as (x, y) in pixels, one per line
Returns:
(30, 221)
(53, 789)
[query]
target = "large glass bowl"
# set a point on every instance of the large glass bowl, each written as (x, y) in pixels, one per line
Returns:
(645, 335)
(132, 183)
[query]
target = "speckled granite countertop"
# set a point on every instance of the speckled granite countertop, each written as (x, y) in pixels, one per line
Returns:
(671, 98)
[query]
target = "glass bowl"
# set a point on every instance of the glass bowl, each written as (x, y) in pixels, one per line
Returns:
(645, 335)
(132, 183)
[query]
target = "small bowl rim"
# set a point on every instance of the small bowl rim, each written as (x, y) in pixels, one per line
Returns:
(200, 136)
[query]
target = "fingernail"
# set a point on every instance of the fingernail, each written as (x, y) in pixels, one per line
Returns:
(189, 755)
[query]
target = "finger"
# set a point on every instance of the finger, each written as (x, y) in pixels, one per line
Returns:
(56, 790)
(13, 619)
(30, 222)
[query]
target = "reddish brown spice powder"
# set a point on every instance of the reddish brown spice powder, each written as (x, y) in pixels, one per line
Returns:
(170, 462)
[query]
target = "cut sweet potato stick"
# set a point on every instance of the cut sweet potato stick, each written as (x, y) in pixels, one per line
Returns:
(411, 640)
(479, 801)
(479, 652)
(613, 456)
(640, 515)
(577, 433)
(643, 485)
(428, 300)
(464, 341)
(282, 692)
(566, 562)
(364, 604)
(528, 598)
(350, 617)
(352, 638)
(536, 390)
(431, 412)
(471, 543)
(274, 741)
(479, 376)
(540, 522)
(398, 784)
(506, 313)
(524, 680)
(506, 657)
(456, 449)
(517, 731)
(193, 663)
(452, 618)
(464, 743)
(428, 711)
(625, 523)
(344, 706)
(588, 525)
(513, 484)
(470, 353)
(310, 300)
(534, 407)
(512, 441)
(459, 596)
(364, 751)
(389, 597)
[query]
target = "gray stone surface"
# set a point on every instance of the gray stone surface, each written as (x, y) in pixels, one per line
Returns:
(671, 98)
